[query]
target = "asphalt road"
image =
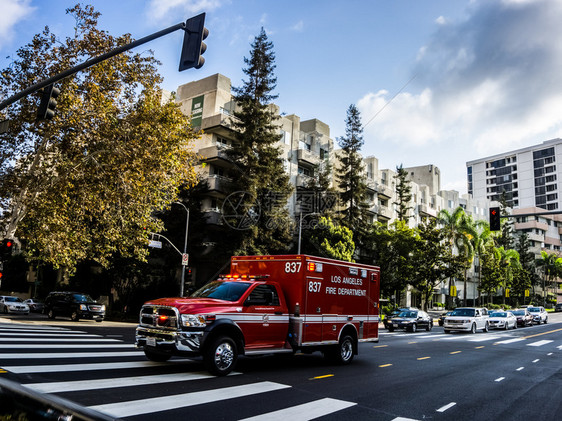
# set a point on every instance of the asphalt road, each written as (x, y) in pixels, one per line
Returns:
(513, 375)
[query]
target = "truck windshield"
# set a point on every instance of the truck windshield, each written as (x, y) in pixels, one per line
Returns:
(222, 290)
(466, 312)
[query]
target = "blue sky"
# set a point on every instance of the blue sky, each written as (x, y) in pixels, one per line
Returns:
(436, 81)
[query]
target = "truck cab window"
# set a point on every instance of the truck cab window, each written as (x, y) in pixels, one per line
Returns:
(263, 295)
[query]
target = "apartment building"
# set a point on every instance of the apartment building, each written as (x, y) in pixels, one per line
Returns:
(528, 177)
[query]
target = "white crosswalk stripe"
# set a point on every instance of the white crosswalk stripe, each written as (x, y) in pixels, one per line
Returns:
(304, 412)
(151, 405)
(540, 343)
(51, 368)
(73, 355)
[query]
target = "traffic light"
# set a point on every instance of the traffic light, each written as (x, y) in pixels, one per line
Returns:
(6, 248)
(48, 103)
(193, 45)
(494, 219)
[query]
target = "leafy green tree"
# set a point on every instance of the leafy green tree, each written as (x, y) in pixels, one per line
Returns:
(429, 260)
(257, 156)
(492, 276)
(333, 241)
(527, 277)
(350, 176)
(550, 265)
(83, 185)
(509, 264)
(403, 194)
(506, 237)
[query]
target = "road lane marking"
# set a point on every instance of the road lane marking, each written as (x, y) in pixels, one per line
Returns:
(510, 341)
(444, 408)
(520, 368)
(67, 355)
(166, 403)
(26, 369)
(539, 343)
(480, 347)
(81, 385)
(380, 346)
(549, 354)
(322, 377)
(484, 338)
(536, 361)
(49, 335)
(499, 379)
(414, 342)
(455, 352)
(543, 333)
(306, 411)
(385, 365)
(423, 358)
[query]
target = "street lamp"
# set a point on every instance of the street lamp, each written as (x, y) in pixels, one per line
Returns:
(184, 246)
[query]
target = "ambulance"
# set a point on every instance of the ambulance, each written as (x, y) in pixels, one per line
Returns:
(266, 305)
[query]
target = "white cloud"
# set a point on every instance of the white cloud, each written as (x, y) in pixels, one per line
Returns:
(160, 9)
(298, 27)
(488, 84)
(13, 11)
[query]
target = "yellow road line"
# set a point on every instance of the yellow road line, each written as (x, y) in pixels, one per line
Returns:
(479, 347)
(380, 346)
(321, 377)
(414, 342)
(3, 371)
(423, 358)
(455, 352)
(385, 365)
(540, 334)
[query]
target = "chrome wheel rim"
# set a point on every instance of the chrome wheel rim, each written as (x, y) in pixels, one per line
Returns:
(346, 350)
(224, 355)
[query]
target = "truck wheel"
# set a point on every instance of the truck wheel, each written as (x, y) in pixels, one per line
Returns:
(157, 357)
(473, 328)
(221, 356)
(342, 353)
(51, 314)
(74, 316)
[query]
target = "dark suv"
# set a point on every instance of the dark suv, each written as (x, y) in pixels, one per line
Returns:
(74, 305)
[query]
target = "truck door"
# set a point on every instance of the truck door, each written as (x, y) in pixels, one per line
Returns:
(266, 318)
(315, 307)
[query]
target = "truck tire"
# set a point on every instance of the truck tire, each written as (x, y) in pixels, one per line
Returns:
(221, 356)
(342, 353)
(156, 356)
(74, 316)
(51, 314)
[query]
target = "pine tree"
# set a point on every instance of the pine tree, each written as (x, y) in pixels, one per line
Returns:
(350, 175)
(257, 156)
(403, 193)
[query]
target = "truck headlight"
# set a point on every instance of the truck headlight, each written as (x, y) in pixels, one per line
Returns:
(193, 320)
(83, 307)
(103, 308)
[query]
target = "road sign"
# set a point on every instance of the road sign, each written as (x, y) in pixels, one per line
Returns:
(184, 259)
(155, 244)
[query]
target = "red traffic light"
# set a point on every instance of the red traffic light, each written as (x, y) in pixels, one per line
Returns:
(495, 219)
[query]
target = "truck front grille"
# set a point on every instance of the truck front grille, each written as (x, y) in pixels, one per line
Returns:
(159, 316)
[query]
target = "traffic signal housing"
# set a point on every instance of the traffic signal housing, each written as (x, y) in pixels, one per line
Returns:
(495, 219)
(48, 103)
(6, 248)
(193, 45)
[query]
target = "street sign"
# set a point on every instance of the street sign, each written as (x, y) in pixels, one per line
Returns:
(155, 244)
(185, 259)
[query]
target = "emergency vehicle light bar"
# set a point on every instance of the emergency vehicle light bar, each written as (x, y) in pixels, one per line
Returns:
(314, 267)
(235, 276)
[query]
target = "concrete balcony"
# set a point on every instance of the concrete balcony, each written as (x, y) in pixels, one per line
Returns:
(425, 210)
(307, 157)
(221, 124)
(531, 224)
(384, 190)
(213, 153)
(371, 185)
(303, 180)
(218, 183)
(385, 212)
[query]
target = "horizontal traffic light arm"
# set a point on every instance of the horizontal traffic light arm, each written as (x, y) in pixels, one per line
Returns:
(89, 63)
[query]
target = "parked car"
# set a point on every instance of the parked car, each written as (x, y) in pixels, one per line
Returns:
(75, 305)
(441, 319)
(35, 306)
(395, 313)
(468, 319)
(15, 305)
(411, 320)
(502, 320)
(524, 318)
(539, 314)
(558, 307)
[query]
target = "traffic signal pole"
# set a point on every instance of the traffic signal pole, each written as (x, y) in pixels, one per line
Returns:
(91, 62)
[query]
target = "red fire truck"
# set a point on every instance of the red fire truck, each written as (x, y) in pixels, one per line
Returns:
(267, 304)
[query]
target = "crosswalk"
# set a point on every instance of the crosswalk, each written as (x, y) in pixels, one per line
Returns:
(115, 379)
(504, 338)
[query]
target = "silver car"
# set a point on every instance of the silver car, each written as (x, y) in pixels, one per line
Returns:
(539, 314)
(15, 305)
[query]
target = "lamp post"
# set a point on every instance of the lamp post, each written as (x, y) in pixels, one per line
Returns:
(184, 246)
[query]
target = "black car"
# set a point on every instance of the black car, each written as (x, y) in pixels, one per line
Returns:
(441, 319)
(75, 305)
(411, 320)
(395, 313)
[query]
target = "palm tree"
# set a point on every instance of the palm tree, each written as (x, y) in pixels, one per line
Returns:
(482, 236)
(454, 226)
(508, 260)
(548, 262)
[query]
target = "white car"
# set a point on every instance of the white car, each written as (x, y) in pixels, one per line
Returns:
(9, 304)
(539, 314)
(502, 320)
(467, 319)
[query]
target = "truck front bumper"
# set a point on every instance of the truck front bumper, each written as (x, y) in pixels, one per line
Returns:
(169, 341)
